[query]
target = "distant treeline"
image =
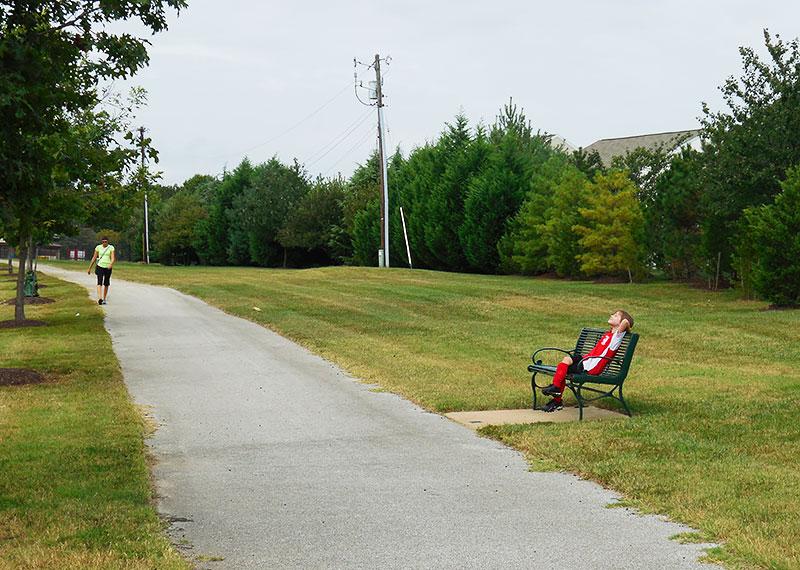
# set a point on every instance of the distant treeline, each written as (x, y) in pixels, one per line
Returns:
(503, 199)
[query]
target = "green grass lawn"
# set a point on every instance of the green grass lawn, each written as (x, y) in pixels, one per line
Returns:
(714, 387)
(74, 483)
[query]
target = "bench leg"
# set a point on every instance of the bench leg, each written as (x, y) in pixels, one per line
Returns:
(624, 403)
(576, 391)
(533, 390)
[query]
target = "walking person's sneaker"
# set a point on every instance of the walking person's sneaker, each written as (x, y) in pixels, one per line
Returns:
(99, 301)
(551, 390)
(553, 406)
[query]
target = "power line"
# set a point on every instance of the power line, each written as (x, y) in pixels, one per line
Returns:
(287, 131)
(361, 141)
(339, 139)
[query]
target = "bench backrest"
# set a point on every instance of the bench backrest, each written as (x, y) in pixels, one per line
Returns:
(618, 367)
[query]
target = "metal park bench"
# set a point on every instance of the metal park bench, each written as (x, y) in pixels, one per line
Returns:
(612, 376)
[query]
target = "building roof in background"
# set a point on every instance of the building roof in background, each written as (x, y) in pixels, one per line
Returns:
(609, 148)
(562, 143)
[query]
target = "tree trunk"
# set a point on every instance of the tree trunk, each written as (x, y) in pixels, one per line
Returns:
(30, 253)
(284, 257)
(19, 309)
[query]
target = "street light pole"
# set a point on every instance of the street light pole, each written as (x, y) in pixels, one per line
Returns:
(146, 237)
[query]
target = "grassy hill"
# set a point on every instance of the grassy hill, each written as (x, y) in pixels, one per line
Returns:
(714, 387)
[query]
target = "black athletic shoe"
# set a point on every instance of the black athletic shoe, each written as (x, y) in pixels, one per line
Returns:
(551, 390)
(552, 406)
(99, 301)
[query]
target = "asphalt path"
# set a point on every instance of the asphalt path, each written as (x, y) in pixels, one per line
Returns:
(268, 456)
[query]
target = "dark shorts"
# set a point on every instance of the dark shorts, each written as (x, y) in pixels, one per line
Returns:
(103, 275)
(577, 365)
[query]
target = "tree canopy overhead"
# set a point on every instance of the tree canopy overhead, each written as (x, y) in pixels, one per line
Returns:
(53, 55)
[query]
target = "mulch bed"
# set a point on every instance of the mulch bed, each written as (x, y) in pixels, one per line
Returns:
(12, 324)
(31, 301)
(610, 279)
(783, 308)
(19, 376)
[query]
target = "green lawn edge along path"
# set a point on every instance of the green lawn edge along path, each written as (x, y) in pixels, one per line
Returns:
(714, 441)
(75, 487)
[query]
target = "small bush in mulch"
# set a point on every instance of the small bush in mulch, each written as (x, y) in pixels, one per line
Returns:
(32, 301)
(19, 376)
(26, 323)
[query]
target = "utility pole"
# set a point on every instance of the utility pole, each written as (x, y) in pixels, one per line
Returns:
(377, 96)
(146, 236)
(384, 169)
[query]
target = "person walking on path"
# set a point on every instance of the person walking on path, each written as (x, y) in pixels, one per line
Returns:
(103, 259)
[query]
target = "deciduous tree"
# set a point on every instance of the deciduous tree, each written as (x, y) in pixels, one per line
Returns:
(749, 146)
(53, 53)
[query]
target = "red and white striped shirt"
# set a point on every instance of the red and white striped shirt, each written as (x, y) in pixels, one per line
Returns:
(606, 347)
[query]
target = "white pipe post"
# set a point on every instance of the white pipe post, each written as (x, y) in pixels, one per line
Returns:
(405, 235)
(146, 232)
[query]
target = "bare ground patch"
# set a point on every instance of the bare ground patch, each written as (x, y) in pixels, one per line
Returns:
(12, 324)
(19, 377)
(31, 301)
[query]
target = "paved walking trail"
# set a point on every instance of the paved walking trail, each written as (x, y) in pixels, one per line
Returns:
(270, 457)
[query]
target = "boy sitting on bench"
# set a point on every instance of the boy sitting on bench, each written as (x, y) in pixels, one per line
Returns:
(593, 363)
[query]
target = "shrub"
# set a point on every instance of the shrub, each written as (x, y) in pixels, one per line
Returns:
(774, 230)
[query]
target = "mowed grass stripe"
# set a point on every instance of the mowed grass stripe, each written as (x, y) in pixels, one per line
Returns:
(714, 441)
(74, 483)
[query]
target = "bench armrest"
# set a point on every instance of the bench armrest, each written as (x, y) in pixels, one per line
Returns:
(533, 357)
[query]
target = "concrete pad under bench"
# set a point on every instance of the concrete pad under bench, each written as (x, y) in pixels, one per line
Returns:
(475, 420)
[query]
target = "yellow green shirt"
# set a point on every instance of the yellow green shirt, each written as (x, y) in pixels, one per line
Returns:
(104, 255)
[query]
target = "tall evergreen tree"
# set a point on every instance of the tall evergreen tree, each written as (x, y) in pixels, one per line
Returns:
(773, 232)
(216, 232)
(412, 186)
(589, 163)
(461, 158)
(611, 228)
(497, 193)
(673, 219)
(571, 193)
(362, 200)
(524, 247)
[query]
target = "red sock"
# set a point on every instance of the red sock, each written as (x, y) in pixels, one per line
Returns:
(560, 377)
(560, 380)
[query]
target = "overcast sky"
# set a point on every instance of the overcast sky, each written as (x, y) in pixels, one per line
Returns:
(241, 77)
